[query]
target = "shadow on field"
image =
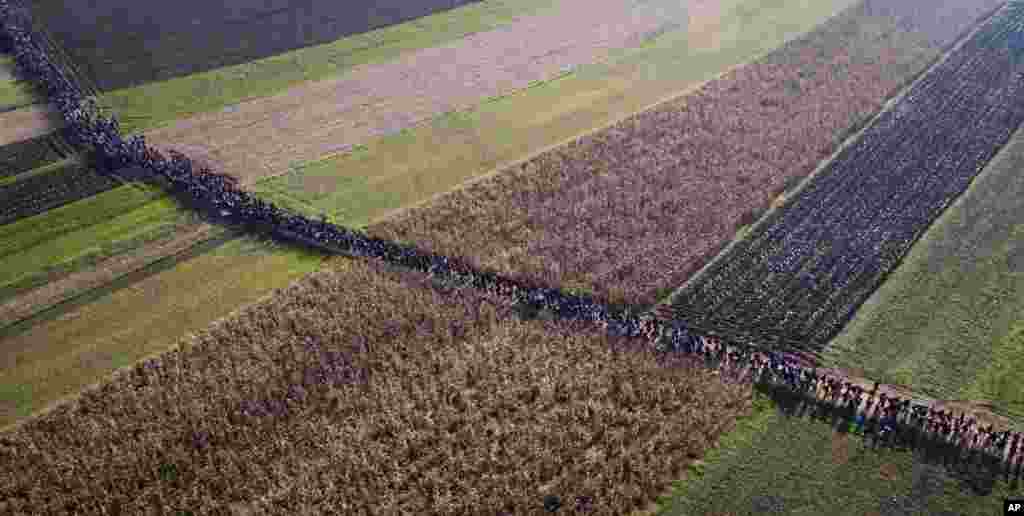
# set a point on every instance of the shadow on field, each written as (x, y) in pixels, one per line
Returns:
(975, 471)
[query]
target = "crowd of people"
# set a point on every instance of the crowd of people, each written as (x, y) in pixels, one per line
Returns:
(889, 419)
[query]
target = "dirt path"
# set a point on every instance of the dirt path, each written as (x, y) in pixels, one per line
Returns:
(27, 122)
(262, 137)
(52, 293)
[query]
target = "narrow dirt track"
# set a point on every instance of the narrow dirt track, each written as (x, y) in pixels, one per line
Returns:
(262, 137)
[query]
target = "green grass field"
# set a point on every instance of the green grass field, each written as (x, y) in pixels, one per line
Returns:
(156, 104)
(801, 466)
(399, 170)
(32, 231)
(941, 320)
(84, 247)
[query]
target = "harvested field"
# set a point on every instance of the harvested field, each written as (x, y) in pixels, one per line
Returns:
(124, 43)
(803, 271)
(27, 122)
(52, 187)
(946, 321)
(263, 137)
(55, 287)
(363, 381)
(653, 198)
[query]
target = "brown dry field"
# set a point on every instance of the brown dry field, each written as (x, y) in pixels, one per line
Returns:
(27, 122)
(24, 305)
(262, 137)
(365, 390)
(632, 211)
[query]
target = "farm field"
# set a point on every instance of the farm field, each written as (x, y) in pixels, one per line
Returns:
(359, 365)
(464, 145)
(946, 322)
(799, 275)
(95, 338)
(55, 332)
(655, 196)
(119, 44)
(152, 104)
(30, 294)
(320, 118)
(777, 463)
(156, 364)
(48, 187)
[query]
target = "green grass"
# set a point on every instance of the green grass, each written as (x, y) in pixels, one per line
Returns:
(398, 170)
(89, 243)
(809, 468)
(943, 322)
(156, 104)
(1001, 379)
(32, 231)
(13, 93)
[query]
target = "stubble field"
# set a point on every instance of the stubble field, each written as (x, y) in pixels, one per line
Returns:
(394, 395)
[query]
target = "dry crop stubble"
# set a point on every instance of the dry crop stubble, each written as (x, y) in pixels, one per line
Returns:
(370, 380)
(685, 171)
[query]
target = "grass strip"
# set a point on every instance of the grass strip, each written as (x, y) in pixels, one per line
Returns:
(27, 233)
(414, 165)
(92, 241)
(86, 259)
(155, 104)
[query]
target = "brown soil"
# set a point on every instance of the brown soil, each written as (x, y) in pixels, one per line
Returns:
(264, 136)
(27, 122)
(54, 292)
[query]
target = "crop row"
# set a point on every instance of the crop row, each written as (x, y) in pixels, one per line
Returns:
(800, 275)
(50, 189)
(640, 206)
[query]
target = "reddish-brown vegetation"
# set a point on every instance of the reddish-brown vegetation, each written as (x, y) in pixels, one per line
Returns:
(643, 204)
(362, 390)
